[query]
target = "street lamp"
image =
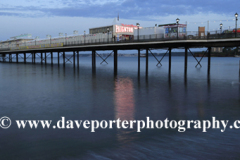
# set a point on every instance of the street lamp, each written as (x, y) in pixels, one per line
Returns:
(138, 29)
(236, 15)
(66, 38)
(84, 36)
(108, 33)
(177, 20)
(221, 27)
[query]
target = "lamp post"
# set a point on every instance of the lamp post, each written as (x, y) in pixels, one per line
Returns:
(66, 38)
(138, 29)
(84, 36)
(108, 34)
(177, 20)
(236, 15)
(221, 27)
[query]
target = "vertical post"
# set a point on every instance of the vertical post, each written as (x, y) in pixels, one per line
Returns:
(34, 57)
(170, 61)
(17, 57)
(64, 59)
(93, 61)
(25, 58)
(41, 58)
(185, 62)
(146, 62)
(209, 59)
(77, 59)
(10, 58)
(58, 59)
(138, 63)
(45, 57)
(51, 58)
(185, 65)
(74, 56)
(115, 62)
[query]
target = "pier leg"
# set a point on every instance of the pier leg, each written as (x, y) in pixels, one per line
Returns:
(77, 59)
(63, 59)
(10, 58)
(25, 58)
(170, 61)
(34, 56)
(93, 61)
(146, 62)
(115, 62)
(58, 59)
(74, 56)
(51, 58)
(185, 65)
(17, 57)
(41, 58)
(138, 63)
(185, 62)
(209, 60)
(45, 58)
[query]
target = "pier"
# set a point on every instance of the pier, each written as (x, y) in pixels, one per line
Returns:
(147, 45)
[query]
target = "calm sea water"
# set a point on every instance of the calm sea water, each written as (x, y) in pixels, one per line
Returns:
(42, 92)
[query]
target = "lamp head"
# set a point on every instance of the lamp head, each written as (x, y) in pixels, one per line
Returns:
(177, 20)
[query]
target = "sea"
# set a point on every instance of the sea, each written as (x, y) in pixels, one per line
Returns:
(50, 92)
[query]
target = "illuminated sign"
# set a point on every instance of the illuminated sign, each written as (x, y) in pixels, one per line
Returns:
(125, 28)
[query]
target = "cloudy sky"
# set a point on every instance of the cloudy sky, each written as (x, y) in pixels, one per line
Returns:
(50, 17)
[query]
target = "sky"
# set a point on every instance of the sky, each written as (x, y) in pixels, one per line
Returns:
(50, 17)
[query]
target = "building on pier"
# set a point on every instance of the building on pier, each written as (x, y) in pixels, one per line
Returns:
(171, 30)
(118, 31)
(13, 43)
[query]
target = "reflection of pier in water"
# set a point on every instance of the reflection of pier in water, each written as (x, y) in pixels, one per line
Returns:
(124, 106)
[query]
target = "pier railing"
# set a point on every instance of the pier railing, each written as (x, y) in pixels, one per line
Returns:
(74, 41)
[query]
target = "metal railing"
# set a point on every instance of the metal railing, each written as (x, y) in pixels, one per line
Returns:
(189, 35)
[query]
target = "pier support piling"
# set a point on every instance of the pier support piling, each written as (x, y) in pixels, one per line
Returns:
(45, 58)
(41, 58)
(170, 61)
(74, 56)
(77, 59)
(10, 58)
(146, 62)
(93, 61)
(63, 59)
(17, 57)
(115, 62)
(51, 58)
(34, 56)
(209, 59)
(58, 59)
(25, 58)
(139, 63)
(185, 61)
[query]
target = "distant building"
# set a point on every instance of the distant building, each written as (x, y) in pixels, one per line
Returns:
(13, 43)
(201, 31)
(217, 49)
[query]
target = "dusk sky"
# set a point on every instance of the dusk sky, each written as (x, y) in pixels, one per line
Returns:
(42, 17)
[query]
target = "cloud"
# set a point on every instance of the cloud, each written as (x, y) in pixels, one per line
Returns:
(127, 9)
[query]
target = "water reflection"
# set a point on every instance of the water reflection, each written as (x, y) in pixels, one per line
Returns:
(124, 106)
